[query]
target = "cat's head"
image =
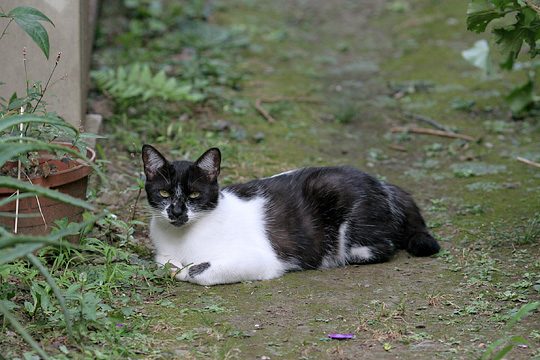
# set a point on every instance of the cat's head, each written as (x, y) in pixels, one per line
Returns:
(181, 191)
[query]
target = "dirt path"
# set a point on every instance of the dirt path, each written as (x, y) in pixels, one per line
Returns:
(350, 70)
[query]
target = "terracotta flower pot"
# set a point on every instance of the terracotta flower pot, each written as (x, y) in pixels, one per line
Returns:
(70, 177)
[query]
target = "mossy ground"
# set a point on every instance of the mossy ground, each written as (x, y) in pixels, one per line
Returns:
(335, 64)
(344, 73)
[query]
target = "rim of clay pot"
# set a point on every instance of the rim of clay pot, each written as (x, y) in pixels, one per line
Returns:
(64, 176)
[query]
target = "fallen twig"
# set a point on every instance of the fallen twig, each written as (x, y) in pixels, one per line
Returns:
(528, 162)
(265, 114)
(426, 131)
(428, 121)
(287, 98)
(397, 147)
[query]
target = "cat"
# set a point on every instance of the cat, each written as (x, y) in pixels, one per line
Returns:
(309, 218)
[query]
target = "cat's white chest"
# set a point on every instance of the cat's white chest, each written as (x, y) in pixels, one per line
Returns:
(232, 235)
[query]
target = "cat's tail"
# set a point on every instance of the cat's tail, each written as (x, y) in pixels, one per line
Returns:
(422, 244)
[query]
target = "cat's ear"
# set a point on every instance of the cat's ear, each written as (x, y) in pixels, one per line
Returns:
(209, 162)
(152, 160)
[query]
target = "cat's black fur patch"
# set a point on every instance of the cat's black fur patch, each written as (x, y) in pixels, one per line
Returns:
(198, 269)
(305, 209)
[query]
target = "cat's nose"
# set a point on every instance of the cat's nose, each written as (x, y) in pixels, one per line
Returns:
(178, 210)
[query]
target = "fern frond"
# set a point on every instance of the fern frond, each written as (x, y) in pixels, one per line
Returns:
(137, 81)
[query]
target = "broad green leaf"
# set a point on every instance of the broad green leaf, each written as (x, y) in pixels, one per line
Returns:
(10, 305)
(491, 349)
(511, 41)
(511, 37)
(480, 13)
(29, 13)
(89, 306)
(523, 312)
(9, 182)
(521, 97)
(36, 31)
(501, 353)
(28, 19)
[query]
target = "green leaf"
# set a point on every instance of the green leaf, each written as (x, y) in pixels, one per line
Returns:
(523, 312)
(9, 182)
(525, 29)
(521, 97)
(89, 306)
(17, 251)
(480, 13)
(491, 349)
(9, 151)
(10, 121)
(10, 305)
(501, 353)
(29, 20)
(511, 41)
(29, 13)
(21, 245)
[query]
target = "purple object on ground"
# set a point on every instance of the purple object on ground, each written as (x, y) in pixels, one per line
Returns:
(341, 336)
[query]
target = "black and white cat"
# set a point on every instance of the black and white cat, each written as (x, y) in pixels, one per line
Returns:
(308, 218)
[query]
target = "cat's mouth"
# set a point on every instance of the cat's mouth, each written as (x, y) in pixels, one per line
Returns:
(180, 221)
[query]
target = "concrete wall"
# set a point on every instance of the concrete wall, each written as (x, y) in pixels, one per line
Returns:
(72, 35)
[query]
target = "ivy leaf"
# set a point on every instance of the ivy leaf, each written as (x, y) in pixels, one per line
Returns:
(511, 38)
(480, 13)
(29, 20)
(89, 305)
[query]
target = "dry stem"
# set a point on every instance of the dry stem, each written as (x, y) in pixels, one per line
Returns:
(286, 98)
(528, 162)
(263, 112)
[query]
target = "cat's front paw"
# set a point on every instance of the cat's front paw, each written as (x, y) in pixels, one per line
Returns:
(198, 269)
(190, 272)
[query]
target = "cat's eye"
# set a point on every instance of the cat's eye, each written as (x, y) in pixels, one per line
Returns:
(164, 193)
(194, 195)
